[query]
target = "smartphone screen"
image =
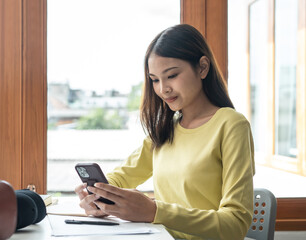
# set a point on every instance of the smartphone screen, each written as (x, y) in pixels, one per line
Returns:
(92, 173)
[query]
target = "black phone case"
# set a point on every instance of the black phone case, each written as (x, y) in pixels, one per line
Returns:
(92, 175)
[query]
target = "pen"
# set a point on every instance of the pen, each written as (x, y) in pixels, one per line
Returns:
(71, 221)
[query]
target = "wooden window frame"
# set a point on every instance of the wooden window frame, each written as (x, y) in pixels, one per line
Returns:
(210, 18)
(23, 93)
(291, 212)
(23, 90)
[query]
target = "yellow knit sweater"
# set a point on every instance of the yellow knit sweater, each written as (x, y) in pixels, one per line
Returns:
(203, 181)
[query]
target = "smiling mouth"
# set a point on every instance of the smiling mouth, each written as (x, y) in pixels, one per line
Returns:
(170, 100)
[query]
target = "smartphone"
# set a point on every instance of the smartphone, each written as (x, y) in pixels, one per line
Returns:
(92, 173)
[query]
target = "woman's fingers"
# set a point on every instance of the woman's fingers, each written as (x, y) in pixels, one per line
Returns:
(109, 209)
(96, 212)
(80, 187)
(105, 194)
(129, 204)
(112, 189)
(87, 202)
(81, 191)
(90, 207)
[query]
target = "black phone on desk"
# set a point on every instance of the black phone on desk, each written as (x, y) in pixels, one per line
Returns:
(91, 173)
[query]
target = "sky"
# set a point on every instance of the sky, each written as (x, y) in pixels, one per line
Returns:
(100, 45)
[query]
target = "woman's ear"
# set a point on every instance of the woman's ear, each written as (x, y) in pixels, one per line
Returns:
(204, 64)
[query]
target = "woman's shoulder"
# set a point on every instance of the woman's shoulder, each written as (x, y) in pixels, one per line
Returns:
(231, 116)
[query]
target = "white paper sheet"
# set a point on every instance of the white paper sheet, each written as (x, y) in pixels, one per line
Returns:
(60, 228)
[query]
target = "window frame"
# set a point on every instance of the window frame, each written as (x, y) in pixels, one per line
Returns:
(23, 93)
(291, 212)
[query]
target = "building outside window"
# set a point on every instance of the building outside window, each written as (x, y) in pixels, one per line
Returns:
(95, 62)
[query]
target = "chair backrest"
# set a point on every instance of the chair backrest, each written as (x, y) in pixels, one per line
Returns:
(264, 215)
(8, 210)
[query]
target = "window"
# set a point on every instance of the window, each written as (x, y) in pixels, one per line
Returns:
(270, 61)
(259, 74)
(95, 75)
(286, 33)
(267, 60)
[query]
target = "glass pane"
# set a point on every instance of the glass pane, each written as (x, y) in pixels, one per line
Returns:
(286, 23)
(95, 71)
(259, 72)
(249, 48)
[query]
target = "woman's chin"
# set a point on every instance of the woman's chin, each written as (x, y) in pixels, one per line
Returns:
(174, 108)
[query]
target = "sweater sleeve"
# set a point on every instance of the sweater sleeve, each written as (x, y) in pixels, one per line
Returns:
(135, 170)
(234, 215)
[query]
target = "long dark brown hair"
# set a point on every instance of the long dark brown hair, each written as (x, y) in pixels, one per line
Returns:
(186, 43)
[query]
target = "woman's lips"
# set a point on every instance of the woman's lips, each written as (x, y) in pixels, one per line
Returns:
(170, 100)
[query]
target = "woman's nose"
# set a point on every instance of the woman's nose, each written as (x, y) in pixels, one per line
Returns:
(164, 88)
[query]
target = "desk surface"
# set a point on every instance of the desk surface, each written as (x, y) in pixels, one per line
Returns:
(42, 230)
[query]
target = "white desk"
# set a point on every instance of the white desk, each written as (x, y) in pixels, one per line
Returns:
(42, 231)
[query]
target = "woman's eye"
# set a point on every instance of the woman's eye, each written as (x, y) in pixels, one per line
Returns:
(172, 76)
(154, 80)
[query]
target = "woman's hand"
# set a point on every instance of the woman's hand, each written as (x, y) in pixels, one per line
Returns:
(129, 204)
(87, 201)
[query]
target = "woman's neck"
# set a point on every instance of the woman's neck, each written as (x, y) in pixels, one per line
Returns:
(198, 114)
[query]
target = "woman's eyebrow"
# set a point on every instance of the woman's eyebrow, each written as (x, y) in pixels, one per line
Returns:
(166, 70)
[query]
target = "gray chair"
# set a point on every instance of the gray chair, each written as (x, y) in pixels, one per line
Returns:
(264, 215)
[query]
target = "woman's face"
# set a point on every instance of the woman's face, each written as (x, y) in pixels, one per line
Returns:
(176, 82)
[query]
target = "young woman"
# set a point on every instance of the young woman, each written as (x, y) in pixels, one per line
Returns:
(199, 150)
